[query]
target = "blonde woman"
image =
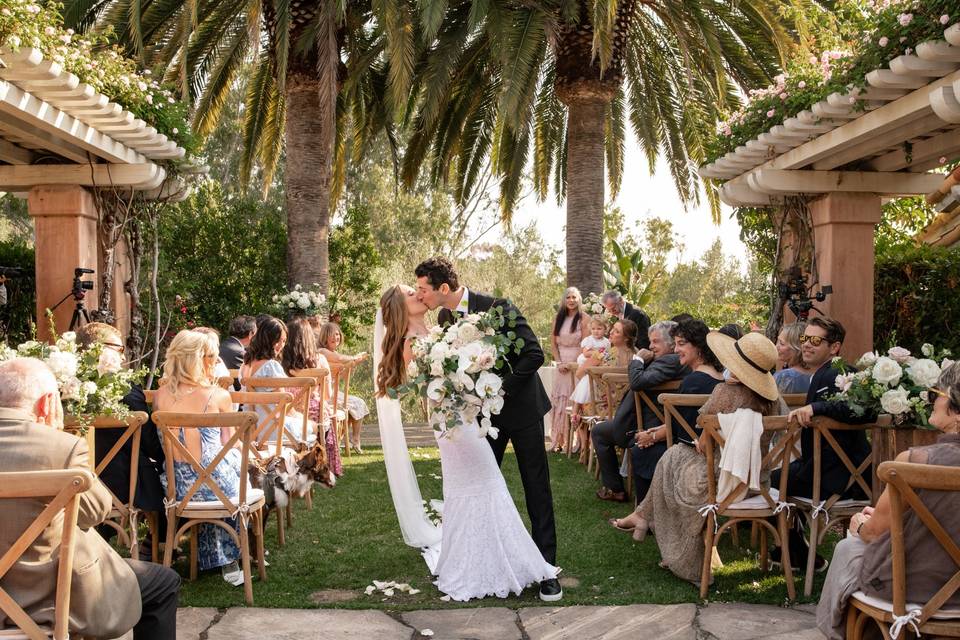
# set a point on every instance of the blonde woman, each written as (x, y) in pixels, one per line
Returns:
(328, 343)
(188, 372)
(793, 376)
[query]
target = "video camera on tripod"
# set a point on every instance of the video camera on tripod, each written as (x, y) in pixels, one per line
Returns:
(796, 294)
(78, 291)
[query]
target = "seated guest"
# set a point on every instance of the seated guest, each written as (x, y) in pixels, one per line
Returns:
(328, 342)
(862, 560)
(821, 342)
(300, 352)
(242, 330)
(623, 336)
(188, 372)
(664, 366)
(679, 486)
(116, 475)
(617, 306)
(732, 329)
(108, 595)
(220, 368)
(793, 375)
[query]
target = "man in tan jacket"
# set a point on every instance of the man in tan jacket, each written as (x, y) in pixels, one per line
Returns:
(109, 595)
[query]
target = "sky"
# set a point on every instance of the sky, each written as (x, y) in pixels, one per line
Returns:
(644, 196)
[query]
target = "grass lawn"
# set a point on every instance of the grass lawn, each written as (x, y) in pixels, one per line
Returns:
(351, 538)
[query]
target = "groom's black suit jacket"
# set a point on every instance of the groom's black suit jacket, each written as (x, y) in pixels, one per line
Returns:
(525, 400)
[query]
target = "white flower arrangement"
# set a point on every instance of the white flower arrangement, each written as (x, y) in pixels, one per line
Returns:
(593, 305)
(309, 302)
(456, 370)
(896, 383)
(92, 382)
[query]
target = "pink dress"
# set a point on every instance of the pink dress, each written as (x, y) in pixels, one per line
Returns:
(568, 344)
(322, 417)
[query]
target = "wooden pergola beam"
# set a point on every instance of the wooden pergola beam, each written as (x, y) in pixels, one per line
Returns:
(776, 182)
(138, 176)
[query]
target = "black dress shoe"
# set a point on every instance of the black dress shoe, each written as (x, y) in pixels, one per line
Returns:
(550, 590)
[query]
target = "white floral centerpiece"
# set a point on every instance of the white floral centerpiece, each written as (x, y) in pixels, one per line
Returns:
(896, 383)
(92, 382)
(309, 302)
(456, 370)
(593, 304)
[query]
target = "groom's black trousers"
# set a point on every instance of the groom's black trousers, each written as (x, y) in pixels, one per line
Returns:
(535, 474)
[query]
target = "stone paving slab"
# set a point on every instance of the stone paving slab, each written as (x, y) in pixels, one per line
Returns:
(663, 622)
(746, 621)
(192, 621)
(466, 624)
(307, 624)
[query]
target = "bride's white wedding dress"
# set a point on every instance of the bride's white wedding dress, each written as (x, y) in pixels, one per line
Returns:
(485, 548)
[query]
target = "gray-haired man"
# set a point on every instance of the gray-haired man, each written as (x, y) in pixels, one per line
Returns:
(617, 305)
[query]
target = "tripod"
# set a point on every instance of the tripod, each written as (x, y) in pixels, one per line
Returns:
(80, 315)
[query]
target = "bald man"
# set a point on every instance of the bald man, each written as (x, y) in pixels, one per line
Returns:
(109, 595)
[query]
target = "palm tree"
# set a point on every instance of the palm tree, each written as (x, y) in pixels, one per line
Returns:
(320, 80)
(560, 79)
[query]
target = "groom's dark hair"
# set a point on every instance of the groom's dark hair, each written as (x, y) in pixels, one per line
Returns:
(438, 271)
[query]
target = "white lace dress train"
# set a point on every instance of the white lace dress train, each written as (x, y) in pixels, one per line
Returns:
(486, 548)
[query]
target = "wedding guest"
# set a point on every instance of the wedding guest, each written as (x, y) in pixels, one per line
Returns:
(595, 345)
(862, 561)
(331, 339)
(821, 342)
(617, 306)
(220, 368)
(300, 352)
(623, 338)
(148, 496)
(664, 366)
(793, 376)
(679, 487)
(570, 327)
(242, 330)
(109, 595)
(732, 329)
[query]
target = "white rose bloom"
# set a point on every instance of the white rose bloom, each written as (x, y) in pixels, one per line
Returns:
(843, 382)
(468, 333)
(488, 358)
(924, 372)
(70, 390)
(866, 360)
(927, 349)
(439, 351)
(472, 318)
(291, 305)
(887, 371)
(436, 331)
(90, 387)
(451, 335)
(412, 370)
(899, 354)
(436, 368)
(435, 390)
(489, 384)
(62, 364)
(109, 362)
(69, 336)
(896, 401)
(303, 303)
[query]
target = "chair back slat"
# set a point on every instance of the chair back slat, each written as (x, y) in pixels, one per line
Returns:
(598, 396)
(615, 386)
(301, 390)
(648, 397)
(63, 486)
(272, 426)
(670, 402)
(822, 432)
(795, 400)
(340, 374)
(903, 480)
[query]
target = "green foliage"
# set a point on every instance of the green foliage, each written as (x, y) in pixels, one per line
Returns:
(628, 274)
(917, 297)
(903, 219)
(223, 254)
(17, 316)
(354, 266)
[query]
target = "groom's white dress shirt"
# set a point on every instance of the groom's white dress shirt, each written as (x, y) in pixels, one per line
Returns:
(463, 308)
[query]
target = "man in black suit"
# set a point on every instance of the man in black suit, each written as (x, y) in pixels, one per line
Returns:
(820, 344)
(616, 305)
(242, 330)
(662, 365)
(525, 403)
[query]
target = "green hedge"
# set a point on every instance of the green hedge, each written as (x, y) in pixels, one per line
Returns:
(916, 297)
(17, 316)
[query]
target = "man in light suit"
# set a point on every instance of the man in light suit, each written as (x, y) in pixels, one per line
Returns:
(108, 595)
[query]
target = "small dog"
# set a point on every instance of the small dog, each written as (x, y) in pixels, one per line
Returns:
(292, 473)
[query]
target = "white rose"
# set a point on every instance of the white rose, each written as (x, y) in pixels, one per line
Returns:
(899, 354)
(924, 372)
(887, 371)
(435, 390)
(472, 318)
(866, 360)
(89, 387)
(62, 364)
(843, 382)
(412, 370)
(451, 334)
(436, 368)
(468, 333)
(896, 401)
(439, 352)
(488, 384)
(69, 336)
(109, 362)
(926, 349)
(291, 305)
(303, 303)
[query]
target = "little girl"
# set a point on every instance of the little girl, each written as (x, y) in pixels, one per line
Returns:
(595, 346)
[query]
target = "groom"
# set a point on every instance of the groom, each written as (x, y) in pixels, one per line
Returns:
(521, 419)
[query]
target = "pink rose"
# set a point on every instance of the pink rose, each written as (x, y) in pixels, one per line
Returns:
(899, 354)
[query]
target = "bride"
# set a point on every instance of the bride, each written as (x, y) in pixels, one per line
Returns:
(485, 548)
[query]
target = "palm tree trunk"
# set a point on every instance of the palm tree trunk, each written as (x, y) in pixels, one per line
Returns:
(309, 134)
(585, 194)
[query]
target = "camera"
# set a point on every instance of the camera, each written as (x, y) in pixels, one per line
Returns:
(796, 294)
(80, 286)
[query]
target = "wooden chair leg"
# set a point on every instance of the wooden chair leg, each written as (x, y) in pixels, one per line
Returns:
(245, 564)
(811, 555)
(851, 622)
(568, 423)
(784, 529)
(154, 524)
(764, 559)
(258, 522)
(708, 542)
(134, 537)
(194, 550)
(168, 544)
(346, 436)
(754, 534)
(281, 528)
(735, 534)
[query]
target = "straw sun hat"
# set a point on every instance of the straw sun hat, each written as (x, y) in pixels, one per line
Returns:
(750, 359)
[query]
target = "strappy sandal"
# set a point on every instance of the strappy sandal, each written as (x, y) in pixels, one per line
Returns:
(615, 523)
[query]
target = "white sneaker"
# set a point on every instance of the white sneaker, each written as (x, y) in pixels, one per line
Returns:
(232, 574)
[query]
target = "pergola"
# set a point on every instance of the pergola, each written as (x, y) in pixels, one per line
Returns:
(60, 139)
(848, 153)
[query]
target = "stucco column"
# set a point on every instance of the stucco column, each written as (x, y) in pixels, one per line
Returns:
(843, 227)
(65, 237)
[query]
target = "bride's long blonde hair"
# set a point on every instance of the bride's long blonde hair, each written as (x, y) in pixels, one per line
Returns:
(392, 372)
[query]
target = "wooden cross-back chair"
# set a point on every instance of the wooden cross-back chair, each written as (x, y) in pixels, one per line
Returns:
(247, 506)
(615, 387)
(830, 508)
(125, 517)
(300, 389)
(671, 415)
(927, 618)
(321, 378)
(340, 373)
(757, 509)
(599, 406)
(63, 487)
(648, 398)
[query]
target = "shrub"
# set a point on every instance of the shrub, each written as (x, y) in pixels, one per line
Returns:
(17, 315)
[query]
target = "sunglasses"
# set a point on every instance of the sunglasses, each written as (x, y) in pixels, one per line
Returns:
(119, 348)
(814, 340)
(939, 392)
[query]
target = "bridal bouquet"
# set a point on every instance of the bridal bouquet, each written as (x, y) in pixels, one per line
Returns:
(92, 382)
(454, 368)
(299, 300)
(896, 383)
